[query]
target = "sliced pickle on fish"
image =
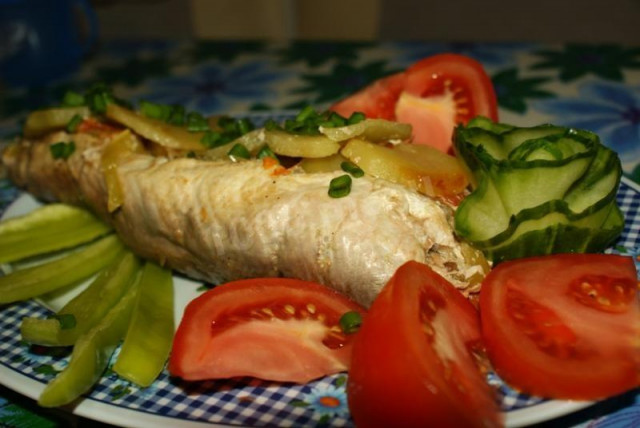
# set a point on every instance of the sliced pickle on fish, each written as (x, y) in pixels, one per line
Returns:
(298, 145)
(40, 122)
(418, 167)
(326, 164)
(156, 130)
(375, 130)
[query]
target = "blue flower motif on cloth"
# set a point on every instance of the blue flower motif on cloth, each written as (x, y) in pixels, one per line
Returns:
(213, 88)
(489, 54)
(328, 400)
(611, 110)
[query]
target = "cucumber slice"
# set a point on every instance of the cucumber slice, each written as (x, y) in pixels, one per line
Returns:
(537, 190)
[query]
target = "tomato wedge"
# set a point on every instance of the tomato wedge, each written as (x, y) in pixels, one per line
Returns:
(414, 357)
(433, 95)
(564, 326)
(269, 328)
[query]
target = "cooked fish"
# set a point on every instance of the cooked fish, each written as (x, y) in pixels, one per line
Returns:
(218, 220)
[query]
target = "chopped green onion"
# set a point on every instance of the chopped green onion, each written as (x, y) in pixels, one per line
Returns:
(272, 125)
(212, 139)
(356, 117)
(62, 150)
(340, 186)
(73, 99)
(265, 151)
(98, 96)
(73, 124)
(176, 115)
(196, 123)
(350, 322)
(305, 114)
(244, 126)
(238, 151)
(154, 111)
(352, 169)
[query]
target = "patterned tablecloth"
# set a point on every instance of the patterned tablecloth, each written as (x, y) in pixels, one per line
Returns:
(595, 87)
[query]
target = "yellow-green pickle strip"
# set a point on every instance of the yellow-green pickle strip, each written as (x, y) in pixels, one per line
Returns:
(87, 308)
(90, 355)
(72, 268)
(50, 228)
(148, 340)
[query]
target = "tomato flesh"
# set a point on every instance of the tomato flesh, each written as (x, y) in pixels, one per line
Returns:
(269, 328)
(433, 95)
(564, 326)
(414, 357)
(377, 101)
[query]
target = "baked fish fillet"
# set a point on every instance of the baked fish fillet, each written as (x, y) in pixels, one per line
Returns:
(218, 220)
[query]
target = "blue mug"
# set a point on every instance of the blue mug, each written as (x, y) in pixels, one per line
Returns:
(43, 40)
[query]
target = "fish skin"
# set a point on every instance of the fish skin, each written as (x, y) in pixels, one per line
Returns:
(218, 221)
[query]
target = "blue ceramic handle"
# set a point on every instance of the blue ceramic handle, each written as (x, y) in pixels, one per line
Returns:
(92, 22)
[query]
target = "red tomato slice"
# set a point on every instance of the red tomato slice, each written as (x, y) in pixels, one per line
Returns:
(433, 95)
(377, 100)
(564, 326)
(269, 328)
(413, 358)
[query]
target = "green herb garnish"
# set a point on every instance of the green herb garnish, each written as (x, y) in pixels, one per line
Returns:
(62, 150)
(350, 322)
(340, 186)
(73, 99)
(73, 124)
(238, 151)
(352, 169)
(265, 151)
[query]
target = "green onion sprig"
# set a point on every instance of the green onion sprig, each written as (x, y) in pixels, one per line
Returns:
(340, 186)
(62, 149)
(350, 322)
(73, 124)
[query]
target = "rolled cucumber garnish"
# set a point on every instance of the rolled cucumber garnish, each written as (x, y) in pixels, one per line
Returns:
(537, 190)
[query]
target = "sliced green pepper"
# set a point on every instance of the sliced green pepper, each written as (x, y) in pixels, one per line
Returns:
(70, 269)
(538, 190)
(52, 227)
(90, 355)
(87, 308)
(148, 341)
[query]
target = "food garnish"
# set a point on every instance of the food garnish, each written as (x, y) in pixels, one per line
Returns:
(537, 190)
(433, 96)
(279, 329)
(53, 227)
(114, 303)
(148, 340)
(564, 326)
(414, 362)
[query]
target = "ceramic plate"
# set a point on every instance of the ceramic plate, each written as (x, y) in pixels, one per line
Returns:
(237, 402)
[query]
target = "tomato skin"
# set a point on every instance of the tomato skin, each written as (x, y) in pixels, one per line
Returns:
(546, 334)
(377, 101)
(403, 376)
(268, 328)
(434, 95)
(430, 76)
